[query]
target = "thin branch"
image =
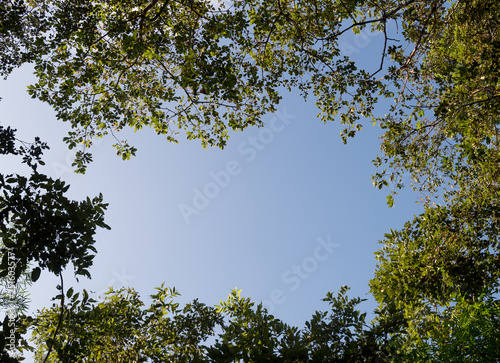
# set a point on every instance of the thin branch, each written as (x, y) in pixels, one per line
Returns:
(417, 45)
(273, 26)
(347, 11)
(383, 51)
(161, 10)
(480, 101)
(60, 319)
(382, 19)
(143, 16)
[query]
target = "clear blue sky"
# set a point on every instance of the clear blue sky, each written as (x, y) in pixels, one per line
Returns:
(285, 213)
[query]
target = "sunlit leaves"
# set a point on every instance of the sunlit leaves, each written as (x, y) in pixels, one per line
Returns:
(177, 66)
(120, 327)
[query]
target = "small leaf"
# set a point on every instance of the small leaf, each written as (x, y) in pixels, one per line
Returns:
(9, 243)
(35, 274)
(390, 201)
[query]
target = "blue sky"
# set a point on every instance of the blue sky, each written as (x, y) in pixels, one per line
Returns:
(286, 212)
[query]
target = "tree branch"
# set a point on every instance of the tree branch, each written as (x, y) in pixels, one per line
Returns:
(60, 320)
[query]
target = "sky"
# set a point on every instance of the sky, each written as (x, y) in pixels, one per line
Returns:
(286, 212)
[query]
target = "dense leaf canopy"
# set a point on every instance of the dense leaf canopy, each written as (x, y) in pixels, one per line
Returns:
(120, 329)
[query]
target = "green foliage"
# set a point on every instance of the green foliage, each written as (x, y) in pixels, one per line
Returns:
(190, 66)
(187, 66)
(12, 331)
(442, 129)
(466, 330)
(470, 330)
(120, 328)
(15, 298)
(343, 335)
(250, 334)
(38, 223)
(444, 251)
(441, 274)
(18, 30)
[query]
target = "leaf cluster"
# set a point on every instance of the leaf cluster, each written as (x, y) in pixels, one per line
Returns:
(38, 223)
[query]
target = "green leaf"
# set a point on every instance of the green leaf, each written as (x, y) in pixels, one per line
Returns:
(35, 274)
(390, 201)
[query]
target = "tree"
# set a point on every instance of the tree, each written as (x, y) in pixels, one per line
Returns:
(120, 329)
(18, 26)
(14, 296)
(38, 223)
(441, 272)
(191, 66)
(446, 259)
(463, 331)
(206, 69)
(40, 226)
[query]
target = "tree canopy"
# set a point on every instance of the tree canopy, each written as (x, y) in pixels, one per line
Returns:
(120, 329)
(206, 69)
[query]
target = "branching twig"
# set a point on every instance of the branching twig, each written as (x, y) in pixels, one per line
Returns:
(383, 51)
